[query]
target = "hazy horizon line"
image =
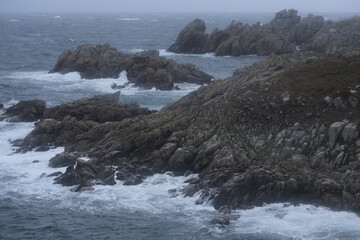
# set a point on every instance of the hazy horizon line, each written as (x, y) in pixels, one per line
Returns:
(299, 11)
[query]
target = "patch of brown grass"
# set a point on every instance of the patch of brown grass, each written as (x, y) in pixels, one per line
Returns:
(326, 77)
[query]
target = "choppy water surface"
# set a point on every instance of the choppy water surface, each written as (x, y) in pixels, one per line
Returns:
(31, 207)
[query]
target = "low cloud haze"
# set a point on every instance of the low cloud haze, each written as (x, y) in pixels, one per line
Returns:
(177, 6)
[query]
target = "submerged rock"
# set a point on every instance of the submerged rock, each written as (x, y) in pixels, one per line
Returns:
(63, 160)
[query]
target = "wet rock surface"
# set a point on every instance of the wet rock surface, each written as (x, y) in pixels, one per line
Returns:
(145, 69)
(248, 145)
(286, 33)
(25, 111)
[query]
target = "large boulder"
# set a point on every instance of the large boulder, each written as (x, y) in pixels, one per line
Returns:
(191, 39)
(146, 69)
(86, 171)
(100, 61)
(63, 160)
(25, 111)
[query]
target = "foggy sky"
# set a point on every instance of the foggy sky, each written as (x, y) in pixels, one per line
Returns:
(178, 5)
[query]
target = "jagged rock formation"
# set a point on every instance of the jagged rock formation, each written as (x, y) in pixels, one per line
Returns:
(286, 31)
(337, 38)
(283, 129)
(146, 69)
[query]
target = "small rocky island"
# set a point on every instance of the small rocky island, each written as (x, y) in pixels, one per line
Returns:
(146, 69)
(283, 129)
(286, 33)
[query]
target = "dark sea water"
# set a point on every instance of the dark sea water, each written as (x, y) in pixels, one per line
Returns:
(31, 207)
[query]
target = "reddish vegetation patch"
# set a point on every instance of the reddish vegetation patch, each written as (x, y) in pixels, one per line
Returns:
(326, 77)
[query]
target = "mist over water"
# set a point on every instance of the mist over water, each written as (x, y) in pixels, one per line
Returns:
(32, 207)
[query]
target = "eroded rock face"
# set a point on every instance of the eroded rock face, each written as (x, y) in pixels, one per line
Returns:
(280, 36)
(25, 111)
(248, 145)
(305, 30)
(146, 69)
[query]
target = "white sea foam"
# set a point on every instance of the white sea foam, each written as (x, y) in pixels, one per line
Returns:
(128, 19)
(137, 50)
(298, 222)
(55, 84)
(14, 20)
(21, 178)
(70, 81)
(10, 103)
(165, 53)
(57, 17)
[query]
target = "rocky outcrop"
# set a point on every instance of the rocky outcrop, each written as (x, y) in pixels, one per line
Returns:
(337, 38)
(25, 111)
(286, 31)
(146, 69)
(100, 109)
(306, 29)
(64, 122)
(191, 39)
(263, 135)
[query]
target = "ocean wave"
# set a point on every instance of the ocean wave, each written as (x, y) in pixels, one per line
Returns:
(55, 84)
(128, 19)
(298, 222)
(165, 53)
(68, 82)
(27, 180)
(10, 103)
(136, 50)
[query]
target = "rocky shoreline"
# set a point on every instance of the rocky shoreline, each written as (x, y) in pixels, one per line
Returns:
(283, 129)
(286, 33)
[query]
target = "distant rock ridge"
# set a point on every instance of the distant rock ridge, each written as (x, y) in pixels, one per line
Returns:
(146, 69)
(283, 129)
(286, 33)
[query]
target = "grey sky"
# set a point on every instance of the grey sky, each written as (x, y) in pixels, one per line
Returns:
(178, 5)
